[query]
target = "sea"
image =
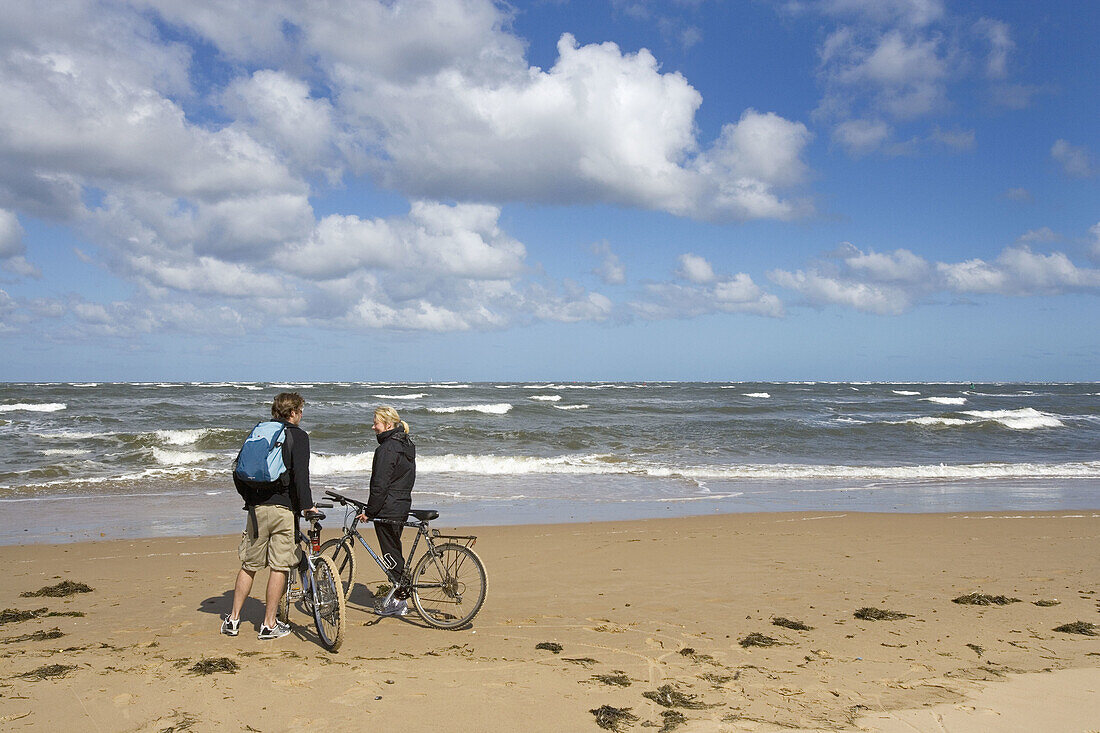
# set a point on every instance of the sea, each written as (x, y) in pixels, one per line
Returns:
(95, 460)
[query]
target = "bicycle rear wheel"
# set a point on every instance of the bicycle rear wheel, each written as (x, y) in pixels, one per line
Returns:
(329, 610)
(340, 550)
(448, 586)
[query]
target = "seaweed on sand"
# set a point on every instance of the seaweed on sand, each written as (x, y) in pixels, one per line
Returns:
(1079, 627)
(49, 671)
(550, 646)
(982, 599)
(787, 623)
(877, 614)
(36, 636)
(13, 615)
(758, 639)
(585, 662)
(615, 719)
(64, 588)
(673, 720)
(616, 678)
(1047, 604)
(218, 664)
(669, 697)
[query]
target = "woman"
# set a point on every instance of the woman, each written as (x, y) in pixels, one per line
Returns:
(391, 481)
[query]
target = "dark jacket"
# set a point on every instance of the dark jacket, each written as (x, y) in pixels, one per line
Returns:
(392, 476)
(297, 463)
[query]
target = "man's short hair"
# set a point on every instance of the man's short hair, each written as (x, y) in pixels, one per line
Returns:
(285, 405)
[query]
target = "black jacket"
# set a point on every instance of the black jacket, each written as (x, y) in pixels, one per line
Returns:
(392, 476)
(297, 462)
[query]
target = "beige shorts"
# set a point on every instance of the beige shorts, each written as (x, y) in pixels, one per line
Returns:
(272, 544)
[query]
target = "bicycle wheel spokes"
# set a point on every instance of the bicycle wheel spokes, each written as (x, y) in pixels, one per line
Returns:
(328, 603)
(449, 586)
(340, 550)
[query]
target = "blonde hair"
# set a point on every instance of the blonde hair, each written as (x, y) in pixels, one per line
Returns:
(388, 415)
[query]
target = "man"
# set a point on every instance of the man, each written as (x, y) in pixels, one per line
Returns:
(270, 536)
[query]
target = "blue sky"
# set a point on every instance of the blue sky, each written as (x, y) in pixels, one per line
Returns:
(632, 189)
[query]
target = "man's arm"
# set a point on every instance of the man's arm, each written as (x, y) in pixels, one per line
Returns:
(299, 463)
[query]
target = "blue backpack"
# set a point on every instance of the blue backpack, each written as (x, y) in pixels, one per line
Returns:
(260, 461)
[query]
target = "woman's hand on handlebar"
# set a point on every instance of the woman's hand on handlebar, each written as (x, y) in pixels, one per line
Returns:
(362, 517)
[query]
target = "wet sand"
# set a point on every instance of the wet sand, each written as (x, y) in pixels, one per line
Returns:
(657, 619)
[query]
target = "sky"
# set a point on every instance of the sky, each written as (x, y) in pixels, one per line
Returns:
(404, 190)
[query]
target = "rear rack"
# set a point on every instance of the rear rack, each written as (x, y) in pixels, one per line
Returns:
(467, 539)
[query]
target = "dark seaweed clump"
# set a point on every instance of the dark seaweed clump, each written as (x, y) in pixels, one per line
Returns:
(13, 615)
(981, 599)
(616, 719)
(758, 639)
(550, 646)
(49, 672)
(1079, 627)
(878, 614)
(669, 697)
(1047, 604)
(219, 664)
(616, 678)
(36, 636)
(64, 588)
(673, 720)
(791, 624)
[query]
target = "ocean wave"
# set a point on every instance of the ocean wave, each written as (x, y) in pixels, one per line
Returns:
(760, 395)
(181, 437)
(905, 392)
(495, 409)
(949, 422)
(167, 457)
(322, 465)
(221, 385)
(413, 396)
(64, 452)
(945, 400)
(450, 385)
(34, 407)
(545, 397)
(485, 465)
(83, 384)
(71, 435)
(1023, 419)
(570, 407)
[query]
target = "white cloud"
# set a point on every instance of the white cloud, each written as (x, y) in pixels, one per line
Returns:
(696, 269)
(893, 283)
(1042, 234)
(12, 249)
(999, 36)
(1075, 160)
(1019, 194)
(611, 269)
(1094, 230)
(861, 136)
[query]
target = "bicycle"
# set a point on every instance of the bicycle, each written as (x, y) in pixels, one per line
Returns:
(448, 583)
(320, 590)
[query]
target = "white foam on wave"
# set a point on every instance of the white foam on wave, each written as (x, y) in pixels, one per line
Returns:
(450, 385)
(905, 392)
(760, 395)
(570, 407)
(83, 384)
(180, 437)
(322, 465)
(167, 457)
(64, 452)
(946, 400)
(546, 397)
(221, 385)
(1023, 419)
(496, 409)
(413, 396)
(34, 407)
(950, 422)
(70, 435)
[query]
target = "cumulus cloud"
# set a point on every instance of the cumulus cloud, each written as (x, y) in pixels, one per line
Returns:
(892, 283)
(12, 248)
(1075, 160)
(611, 269)
(891, 64)
(702, 291)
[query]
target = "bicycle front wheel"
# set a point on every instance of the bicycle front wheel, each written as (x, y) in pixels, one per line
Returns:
(329, 610)
(340, 550)
(448, 586)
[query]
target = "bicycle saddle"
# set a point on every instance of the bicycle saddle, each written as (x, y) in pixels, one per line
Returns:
(424, 515)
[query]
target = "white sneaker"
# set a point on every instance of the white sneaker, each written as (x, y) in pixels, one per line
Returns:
(393, 608)
(280, 629)
(230, 627)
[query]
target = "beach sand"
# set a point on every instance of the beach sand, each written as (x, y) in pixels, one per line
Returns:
(645, 612)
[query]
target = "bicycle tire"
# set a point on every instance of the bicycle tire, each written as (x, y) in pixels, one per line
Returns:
(448, 586)
(343, 556)
(329, 611)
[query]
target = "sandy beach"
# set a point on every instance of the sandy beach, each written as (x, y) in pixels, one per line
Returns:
(652, 624)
